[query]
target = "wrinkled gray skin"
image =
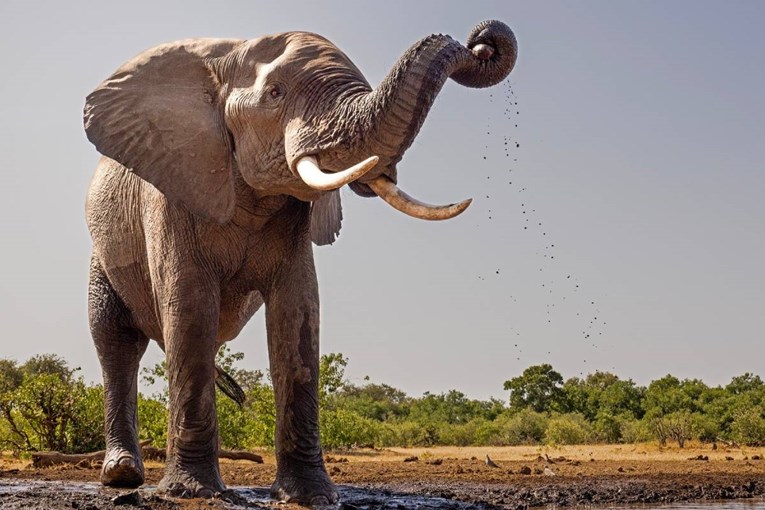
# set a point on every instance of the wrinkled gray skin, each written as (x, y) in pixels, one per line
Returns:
(198, 218)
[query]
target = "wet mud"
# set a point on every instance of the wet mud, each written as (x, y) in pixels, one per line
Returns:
(443, 483)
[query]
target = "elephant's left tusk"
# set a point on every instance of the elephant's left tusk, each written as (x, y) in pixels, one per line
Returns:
(389, 192)
(308, 170)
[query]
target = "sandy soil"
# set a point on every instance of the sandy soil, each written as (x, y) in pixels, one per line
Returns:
(524, 477)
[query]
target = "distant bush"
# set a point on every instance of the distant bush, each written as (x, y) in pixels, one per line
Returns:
(344, 429)
(749, 427)
(45, 407)
(523, 427)
(152, 421)
(567, 429)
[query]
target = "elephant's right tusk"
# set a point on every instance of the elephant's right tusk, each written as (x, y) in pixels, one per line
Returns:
(388, 191)
(308, 170)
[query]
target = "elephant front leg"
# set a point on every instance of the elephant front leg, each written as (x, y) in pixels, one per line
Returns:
(292, 320)
(192, 438)
(120, 348)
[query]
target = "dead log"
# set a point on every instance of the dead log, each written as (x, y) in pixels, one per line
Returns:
(48, 459)
(240, 455)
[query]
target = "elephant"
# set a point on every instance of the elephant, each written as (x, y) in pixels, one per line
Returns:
(221, 163)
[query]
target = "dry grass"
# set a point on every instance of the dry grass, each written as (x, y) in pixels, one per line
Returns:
(625, 452)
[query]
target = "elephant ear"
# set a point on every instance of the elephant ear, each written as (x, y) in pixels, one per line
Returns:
(326, 217)
(159, 116)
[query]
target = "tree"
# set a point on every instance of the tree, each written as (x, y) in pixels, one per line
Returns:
(46, 408)
(540, 388)
(331, 375)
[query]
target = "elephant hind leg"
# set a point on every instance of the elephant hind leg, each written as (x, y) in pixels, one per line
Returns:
(120, 347)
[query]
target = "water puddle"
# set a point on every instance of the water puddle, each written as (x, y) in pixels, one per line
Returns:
(93, 496)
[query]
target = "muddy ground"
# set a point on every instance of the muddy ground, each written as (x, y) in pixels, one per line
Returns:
(442, 478)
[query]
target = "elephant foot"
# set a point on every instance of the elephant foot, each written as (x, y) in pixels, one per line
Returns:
(122, 469)
(198, 483)
(312, 487)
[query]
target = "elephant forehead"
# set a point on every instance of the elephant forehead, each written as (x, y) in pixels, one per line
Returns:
(293, 53)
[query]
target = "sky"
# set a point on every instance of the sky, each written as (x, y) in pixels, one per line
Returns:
(617, 178)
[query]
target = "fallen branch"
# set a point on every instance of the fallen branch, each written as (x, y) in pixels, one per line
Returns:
(240, 455)
(48, 459)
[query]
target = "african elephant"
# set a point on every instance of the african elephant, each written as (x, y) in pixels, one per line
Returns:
(222, 162)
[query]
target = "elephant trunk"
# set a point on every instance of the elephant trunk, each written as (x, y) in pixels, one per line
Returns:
(394, 112)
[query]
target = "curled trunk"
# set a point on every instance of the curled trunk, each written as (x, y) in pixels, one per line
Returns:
(393, 113)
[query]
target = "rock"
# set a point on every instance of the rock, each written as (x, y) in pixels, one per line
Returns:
(413, 458)
(435, 462)
(525, 470)
(131, 498)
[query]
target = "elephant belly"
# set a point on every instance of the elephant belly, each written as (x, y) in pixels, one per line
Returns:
(236, 309)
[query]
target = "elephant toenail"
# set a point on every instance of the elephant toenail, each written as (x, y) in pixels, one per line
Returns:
(205, 493)
(319, 501)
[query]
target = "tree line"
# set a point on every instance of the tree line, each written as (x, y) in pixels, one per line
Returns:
(44, 405)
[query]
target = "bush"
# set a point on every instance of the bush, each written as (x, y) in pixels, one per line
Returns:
(749, 427)
(634, 431)
(523, 427)
(87, 430)
(152, 421)
(45, 408)
(568, 429)
(344, 429)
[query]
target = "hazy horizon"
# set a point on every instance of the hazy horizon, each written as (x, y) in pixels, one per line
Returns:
(617, 221)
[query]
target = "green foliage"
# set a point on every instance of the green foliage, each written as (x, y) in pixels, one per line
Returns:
(571, 428)
(152, 420)
(43, 405)
(540, 388)
(344, 429)
(523, 427)
(749, 426)
(331, 374)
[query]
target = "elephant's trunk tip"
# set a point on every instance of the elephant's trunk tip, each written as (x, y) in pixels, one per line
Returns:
(494, 45)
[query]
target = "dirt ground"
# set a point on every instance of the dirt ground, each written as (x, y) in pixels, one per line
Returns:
(445, 478)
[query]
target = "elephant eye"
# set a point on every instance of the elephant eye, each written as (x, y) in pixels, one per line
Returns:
(275, 91)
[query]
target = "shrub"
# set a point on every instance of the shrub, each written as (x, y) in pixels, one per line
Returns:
(152, 421)
(343, 429)
(634, 431)
(568, 429)
(523, 427)
(749, 427)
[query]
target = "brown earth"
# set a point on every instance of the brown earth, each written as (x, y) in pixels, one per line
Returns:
(567, 476)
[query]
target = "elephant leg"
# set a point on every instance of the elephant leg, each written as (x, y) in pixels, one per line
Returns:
(120, 348)
(190, 327)
(292, 321)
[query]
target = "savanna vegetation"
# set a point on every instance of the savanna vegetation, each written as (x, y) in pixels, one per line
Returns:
(45, 405)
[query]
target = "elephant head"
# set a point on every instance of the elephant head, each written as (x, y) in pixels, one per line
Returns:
(289, 113)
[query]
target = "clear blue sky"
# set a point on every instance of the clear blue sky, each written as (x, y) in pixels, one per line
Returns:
(641, 150)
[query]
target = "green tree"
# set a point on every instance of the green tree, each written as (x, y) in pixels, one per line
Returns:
(331, 375)
(539, 387)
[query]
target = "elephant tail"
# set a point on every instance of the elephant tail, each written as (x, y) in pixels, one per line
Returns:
(229, 386)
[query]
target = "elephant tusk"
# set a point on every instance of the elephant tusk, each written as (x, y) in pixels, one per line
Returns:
(308, 170)
(388, 191)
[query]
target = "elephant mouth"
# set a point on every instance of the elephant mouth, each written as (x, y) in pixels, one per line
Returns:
(308, 169)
